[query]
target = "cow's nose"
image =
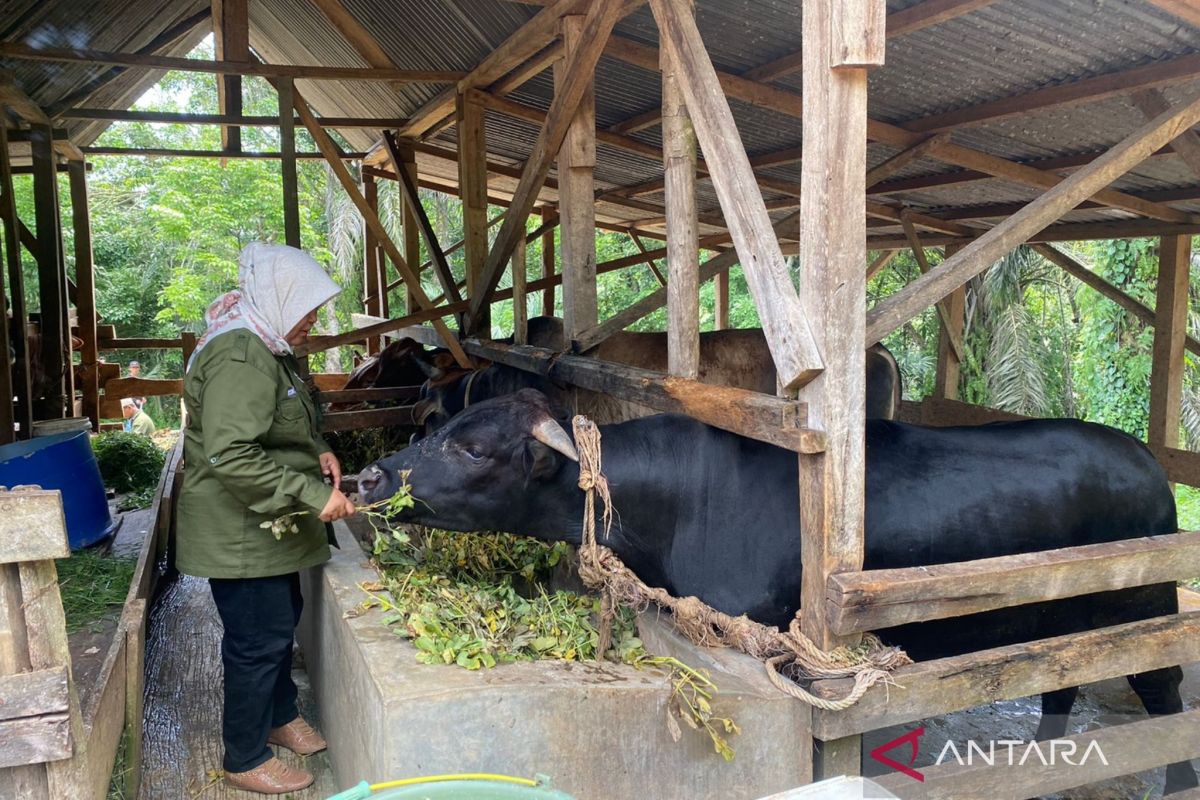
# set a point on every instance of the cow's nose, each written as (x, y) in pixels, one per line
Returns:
(369, 479)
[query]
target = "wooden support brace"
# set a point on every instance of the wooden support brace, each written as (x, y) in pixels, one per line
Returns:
(597, 26)
(1170, 331)
(1152, 103)
(330, 151)
(950, 327)
(472, 182)
(905, 157)
(881, 261)
(785, 324)
(984, 251)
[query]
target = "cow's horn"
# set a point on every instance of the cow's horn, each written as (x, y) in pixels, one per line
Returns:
(551, 434)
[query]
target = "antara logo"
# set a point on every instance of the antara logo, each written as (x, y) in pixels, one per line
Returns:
(912, 738)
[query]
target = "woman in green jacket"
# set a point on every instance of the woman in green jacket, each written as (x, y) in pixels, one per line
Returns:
(252, 454)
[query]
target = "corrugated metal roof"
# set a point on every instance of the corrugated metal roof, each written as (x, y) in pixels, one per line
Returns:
(1006, 48)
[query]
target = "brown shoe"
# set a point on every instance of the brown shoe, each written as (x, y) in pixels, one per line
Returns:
(299, 737)
(270, 777)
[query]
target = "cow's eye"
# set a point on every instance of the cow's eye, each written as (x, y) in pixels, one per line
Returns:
(473, 452)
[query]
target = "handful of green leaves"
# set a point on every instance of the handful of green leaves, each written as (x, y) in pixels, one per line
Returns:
(401, 500)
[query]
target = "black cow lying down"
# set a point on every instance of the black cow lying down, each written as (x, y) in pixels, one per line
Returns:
(704, 512)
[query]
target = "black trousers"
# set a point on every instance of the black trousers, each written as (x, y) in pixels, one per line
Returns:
(260, 617)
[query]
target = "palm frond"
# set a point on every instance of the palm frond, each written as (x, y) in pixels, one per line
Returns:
(1014, 370)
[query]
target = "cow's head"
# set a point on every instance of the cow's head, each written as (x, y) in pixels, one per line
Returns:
(482, 470)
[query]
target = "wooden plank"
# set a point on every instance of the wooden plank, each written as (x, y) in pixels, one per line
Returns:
(520, 297)
(372, 395)
(785, 324)
(472, 182)
(932, 688)
(133, 624)
(287, 149)
(774, 420)
(408, 188)
(109, 343)
(244, 121)
(548, 263)
(1091, 279)
(1151, 103)
(32, 526)
(85, 277)
(983, 252)
(1159, 74)
(21, 370)
(329, 149)
(35, 740)
(32, 694)
(576, 160)
(103, 722)
(1127, 748)
(857, 34)
(597, 26)
(950, 328)
(1170, 331)
(1183, 9)
(143, 387)
(402, 416)
(1182, 466)
(876, 599)
(80, 55)
(683, 237)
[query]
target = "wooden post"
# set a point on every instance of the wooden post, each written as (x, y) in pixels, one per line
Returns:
(683, 242)
(52, 284)
(949, 365)
(1170, 327)
(519, 299)
(231, 35)
(85, 280)
(287, 149)
(412, 234)
(373, 281)
(832, 254)
(576, 189)
(548, 263)
(721, 302)
(472, 182)
(16, 281)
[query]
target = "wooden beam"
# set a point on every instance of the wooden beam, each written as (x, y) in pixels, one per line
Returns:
(983, 252)
(330, 150)
(932, 688)
(882, 260)
(857, 34)
(1182, 9)
(166, 152)
(472, 182)
(1061, 232)
(949, 327)
(373, 272)
(877, 599)
(1159, 74)
(22, 371)
(1094, 281)
(1170, 332)
(576, 163)
(441, 267)
(902, 159)
(1152, 103)
(949, 364)
(786, 327)
(295, 71)
(519, 267)
(930, 13)
(683, 238)
(403, 416)
(52, 289)
(653, 265)
(85, 276)
(231, 40)
(757, 416)
(548, 263)
(355, 33)
(170, 117)
(598, 24)
(287, 148)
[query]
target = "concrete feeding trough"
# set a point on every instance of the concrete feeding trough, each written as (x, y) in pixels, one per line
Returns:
(599, 730)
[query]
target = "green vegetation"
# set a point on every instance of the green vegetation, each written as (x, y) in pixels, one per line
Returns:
(129, 463)
(92, 583)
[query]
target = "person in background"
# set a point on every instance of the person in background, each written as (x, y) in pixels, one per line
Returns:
(136, 420)
(254, 458)
(135, 371)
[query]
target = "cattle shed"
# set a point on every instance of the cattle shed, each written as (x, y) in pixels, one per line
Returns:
(841, 131)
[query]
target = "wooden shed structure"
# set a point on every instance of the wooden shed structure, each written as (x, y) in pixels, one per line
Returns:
(753, 129)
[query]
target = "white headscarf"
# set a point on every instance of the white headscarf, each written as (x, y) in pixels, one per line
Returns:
(280, 285)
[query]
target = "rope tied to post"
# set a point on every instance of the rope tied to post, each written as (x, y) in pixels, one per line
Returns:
(787, 656)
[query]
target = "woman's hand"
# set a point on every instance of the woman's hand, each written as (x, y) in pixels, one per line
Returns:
(331, 469)
(338, 506)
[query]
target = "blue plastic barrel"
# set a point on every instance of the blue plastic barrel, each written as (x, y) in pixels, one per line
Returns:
(64, 462)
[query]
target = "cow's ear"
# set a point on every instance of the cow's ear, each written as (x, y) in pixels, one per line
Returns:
(541, 462)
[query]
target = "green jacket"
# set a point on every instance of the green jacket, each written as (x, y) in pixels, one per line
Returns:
(142, 424)
(251, 454)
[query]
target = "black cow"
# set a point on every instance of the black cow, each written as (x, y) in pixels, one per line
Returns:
(704, 512)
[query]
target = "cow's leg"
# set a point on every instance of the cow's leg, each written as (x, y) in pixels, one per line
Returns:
(1159, 692)
(1056, 710)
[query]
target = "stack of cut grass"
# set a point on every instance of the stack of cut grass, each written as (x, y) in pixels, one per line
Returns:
(92, 583)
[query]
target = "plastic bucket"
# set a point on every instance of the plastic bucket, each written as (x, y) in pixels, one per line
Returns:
(65, 462)
(458, 790)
